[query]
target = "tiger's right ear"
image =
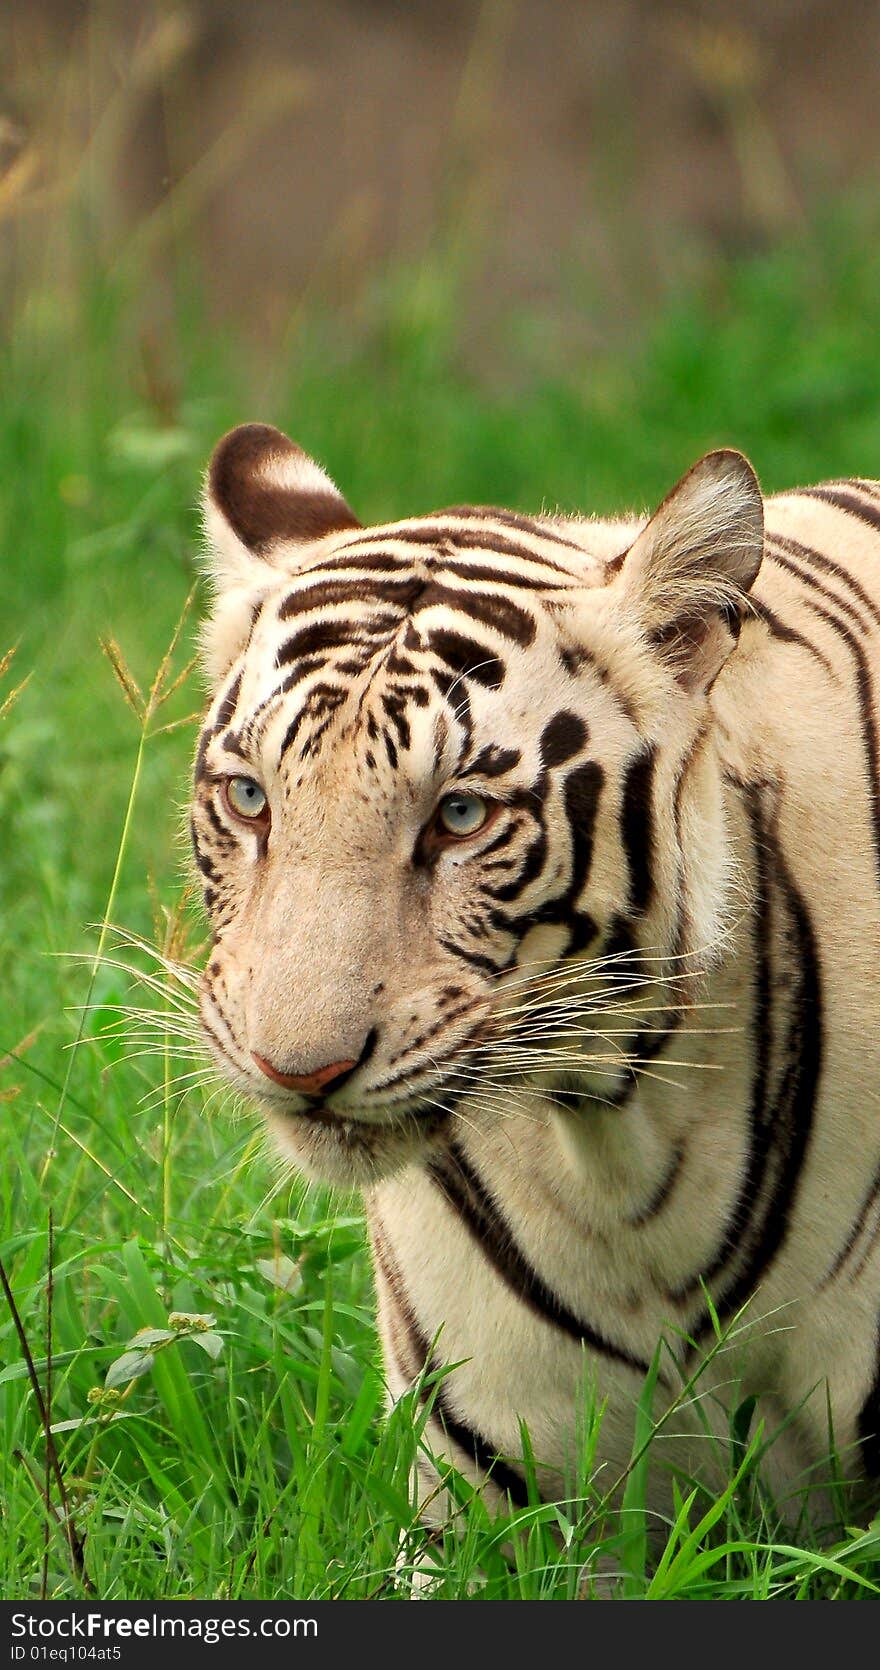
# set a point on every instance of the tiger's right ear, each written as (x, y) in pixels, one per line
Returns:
(264, 502)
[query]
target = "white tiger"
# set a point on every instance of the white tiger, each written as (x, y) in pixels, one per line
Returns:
(542, 857)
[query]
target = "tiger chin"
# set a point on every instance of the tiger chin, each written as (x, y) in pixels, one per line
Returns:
(542, 857)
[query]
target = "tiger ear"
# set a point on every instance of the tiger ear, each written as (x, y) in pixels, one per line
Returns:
(264, 498)
(265, 502)
(687, 575)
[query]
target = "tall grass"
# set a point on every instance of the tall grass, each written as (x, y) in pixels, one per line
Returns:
(244, 1447)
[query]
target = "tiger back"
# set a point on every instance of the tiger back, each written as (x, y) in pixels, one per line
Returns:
(543, 862)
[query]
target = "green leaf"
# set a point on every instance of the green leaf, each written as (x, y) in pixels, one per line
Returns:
(633, 1544)
(145, 1338)
(60, 1359)
(95, 1420)
(282, 1272)
(367, 1402)
(210, 1342)
(130, 1366)
(741, 1421)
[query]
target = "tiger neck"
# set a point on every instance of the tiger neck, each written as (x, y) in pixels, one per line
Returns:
(683, 1050)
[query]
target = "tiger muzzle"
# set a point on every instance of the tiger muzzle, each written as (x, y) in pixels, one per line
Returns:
(313, 1084)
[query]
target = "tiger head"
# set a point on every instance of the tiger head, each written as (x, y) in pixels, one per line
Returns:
(456, 782)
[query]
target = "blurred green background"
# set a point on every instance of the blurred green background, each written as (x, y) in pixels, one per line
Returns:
(517, 251)
(514, 250)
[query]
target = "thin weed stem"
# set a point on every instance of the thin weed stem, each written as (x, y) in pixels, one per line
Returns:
(146, 709)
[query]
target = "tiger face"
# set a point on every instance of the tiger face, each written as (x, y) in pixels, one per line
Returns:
(456, 772)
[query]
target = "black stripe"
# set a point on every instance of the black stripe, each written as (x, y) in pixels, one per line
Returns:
(637, 829)
(467, 657)
(868, 1427)
(494, 544)
(855, 1231)
(686, 765)
(863, 684)
(471, 1442)
(467, 1195)
(314, 591)
(204, 863)
(227, 706)
(857, 483)
(292, 732)
(485, 572)
(785, 560)
(313, 664)
(867, 1252)
(361, 565)
(352, 558)
(414, 1045)
(226, 840)
(200, 766)
(785, 634)
(492, 762)
(662, 1192)
(788, 1123)
(574, 657)
(562, 737)
(867, 513)
(224, 714)
(497, 845)
(325, 635)
(317, 639)
(455, 692)
(497, 612)
(394, 704)
(530, 868)
(866, 714)
(512, 519)
(809, 554)
(583, 787)
(760, 1130)
(483, 965)
(323, 699)
(618, 948)
(203, 858)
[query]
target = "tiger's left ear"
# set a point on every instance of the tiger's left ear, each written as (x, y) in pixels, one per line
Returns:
(264, 498)
(687, 575)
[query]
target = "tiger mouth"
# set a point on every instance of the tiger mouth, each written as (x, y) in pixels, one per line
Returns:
(344, 1148)
(348, 1123)
(316, 1114)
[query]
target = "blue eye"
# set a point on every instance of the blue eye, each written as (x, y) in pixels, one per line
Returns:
(462, 814)
(245, 798)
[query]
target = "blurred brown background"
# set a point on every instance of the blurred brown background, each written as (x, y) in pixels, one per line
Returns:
(583, 156)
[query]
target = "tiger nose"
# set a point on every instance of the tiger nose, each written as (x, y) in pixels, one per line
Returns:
(308, 1084)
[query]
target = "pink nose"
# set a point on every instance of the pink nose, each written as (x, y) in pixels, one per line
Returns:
(309, 1084)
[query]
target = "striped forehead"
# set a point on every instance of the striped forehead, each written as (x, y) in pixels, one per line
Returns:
(409, 612)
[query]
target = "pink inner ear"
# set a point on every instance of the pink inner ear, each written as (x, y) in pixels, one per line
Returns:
(247, 485)
(696, 647)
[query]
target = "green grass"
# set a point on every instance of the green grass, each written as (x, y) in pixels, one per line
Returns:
(254, 1456)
